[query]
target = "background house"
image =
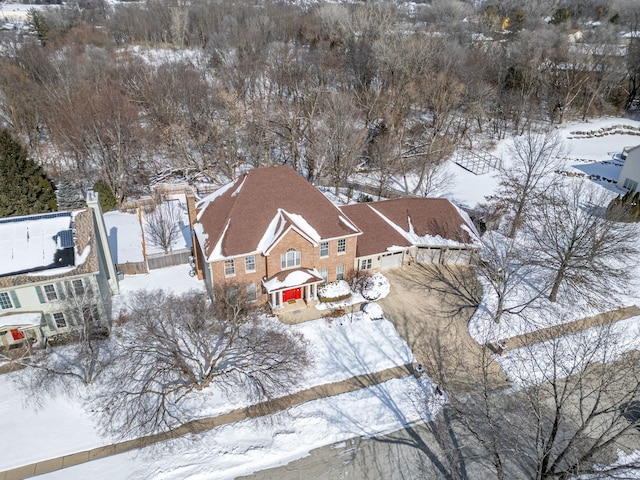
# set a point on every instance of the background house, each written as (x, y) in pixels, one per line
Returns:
(274, 232)
(46, 262)
(630, 174)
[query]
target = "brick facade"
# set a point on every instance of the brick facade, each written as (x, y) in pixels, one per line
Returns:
(267, 266)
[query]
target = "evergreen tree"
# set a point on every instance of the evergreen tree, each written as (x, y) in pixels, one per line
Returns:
(105, 195)
(24, 187)
(69, 196)
(37, 24)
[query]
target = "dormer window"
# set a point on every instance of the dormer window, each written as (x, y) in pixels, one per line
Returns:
(290, 259)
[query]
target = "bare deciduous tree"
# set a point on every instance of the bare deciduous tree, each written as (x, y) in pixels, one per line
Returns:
(163, 224)
(534, 158)
(585, 250)
(80, 356)
(171, 347)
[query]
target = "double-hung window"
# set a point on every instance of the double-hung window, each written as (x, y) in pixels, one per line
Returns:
(5, 301)
(340, 272)
(229, 268)
(365, 264)
(250, 263)
(252, 292)
(58, 317)
(324, 273)
(50, 293)
(78, 287)
(290, 259)
(342, 245)
(324, 249)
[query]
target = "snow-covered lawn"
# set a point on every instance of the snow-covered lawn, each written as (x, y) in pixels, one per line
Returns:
(560, 357)
(348, 346)
(251, 445)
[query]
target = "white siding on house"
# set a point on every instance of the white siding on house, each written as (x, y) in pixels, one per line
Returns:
(391, 260)
(428, 255)
(630, 173)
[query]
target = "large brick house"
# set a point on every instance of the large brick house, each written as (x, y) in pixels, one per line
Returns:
(48, 261)
(273, 232)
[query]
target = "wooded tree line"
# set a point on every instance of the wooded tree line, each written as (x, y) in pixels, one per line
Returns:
(109, 93)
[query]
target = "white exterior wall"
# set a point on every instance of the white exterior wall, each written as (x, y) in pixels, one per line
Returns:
(631, 168)
(30, 302)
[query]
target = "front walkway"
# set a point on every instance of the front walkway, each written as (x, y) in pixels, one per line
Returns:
(202, 425)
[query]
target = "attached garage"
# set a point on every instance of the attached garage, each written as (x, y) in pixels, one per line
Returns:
(428, 255)
(458, 256)
(391, 260)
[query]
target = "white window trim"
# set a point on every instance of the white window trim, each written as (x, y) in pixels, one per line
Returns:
(284, 259)
(55, 321)
(326, 254)
(246, 269)
(8, 297)
(233, 267)
(345, 246)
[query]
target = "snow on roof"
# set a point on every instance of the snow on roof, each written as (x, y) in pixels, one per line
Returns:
(26, 319)
(216, 254)
(32, 242)
(280, 224)
(277, 225)
(204, 203)
(262, 204)
(292, 278)
(304, 226)
(125, 236)
(416, 239)
(237, 190)
(348, 223)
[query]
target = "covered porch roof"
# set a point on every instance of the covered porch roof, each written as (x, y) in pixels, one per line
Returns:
(296, 277)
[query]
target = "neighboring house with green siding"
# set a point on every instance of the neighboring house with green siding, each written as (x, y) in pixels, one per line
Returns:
(54, 268)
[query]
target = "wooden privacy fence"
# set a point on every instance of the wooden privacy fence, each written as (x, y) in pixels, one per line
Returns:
(176, 257)
(132, 268)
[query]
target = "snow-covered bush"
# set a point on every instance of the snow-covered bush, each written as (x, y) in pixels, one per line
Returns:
(372, 311)
(334, 291)
(376, 286)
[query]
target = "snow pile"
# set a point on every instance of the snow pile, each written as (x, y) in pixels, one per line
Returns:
(372, 311)
(376, 287)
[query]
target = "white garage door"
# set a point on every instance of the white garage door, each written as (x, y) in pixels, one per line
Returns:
(428, 255)
(391, 260)
(458, 256)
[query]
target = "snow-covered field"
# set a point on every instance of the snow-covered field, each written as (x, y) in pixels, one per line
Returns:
(252, 445)
(346, 347)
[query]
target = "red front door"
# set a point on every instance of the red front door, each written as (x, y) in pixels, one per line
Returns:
(292, 294)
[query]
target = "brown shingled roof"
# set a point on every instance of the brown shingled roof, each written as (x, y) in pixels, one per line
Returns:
(249, 204)
(377, 235)
(429, 216)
